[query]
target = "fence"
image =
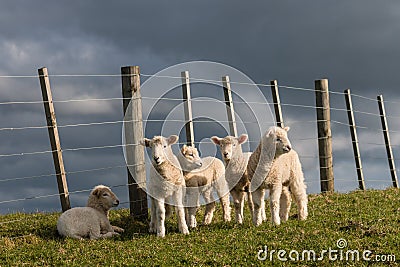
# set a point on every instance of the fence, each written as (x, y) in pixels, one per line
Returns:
(131, 92)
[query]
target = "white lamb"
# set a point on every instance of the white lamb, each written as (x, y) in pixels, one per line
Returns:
(165, 185)
(236, 171)
(274, 165)
(201, 177)
(90, 221)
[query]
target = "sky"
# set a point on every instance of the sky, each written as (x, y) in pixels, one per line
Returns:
(355, 44)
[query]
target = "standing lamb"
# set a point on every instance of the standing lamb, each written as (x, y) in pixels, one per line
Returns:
(201, 177)
(236, 171)
(165, 185)
(274, 165)
(90, 221)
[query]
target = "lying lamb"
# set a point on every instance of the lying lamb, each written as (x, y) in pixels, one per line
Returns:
(90, 221)
(166, 184)
(201, 177)
(274, 165)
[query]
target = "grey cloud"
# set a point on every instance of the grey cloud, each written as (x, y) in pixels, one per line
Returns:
(353, 43)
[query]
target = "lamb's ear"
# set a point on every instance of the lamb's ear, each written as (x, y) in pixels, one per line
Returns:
(287, 128)
(216, 140)
(242, 138)
(172, 139)
(184, 149)
(145, 142)
(271, 132)
(97, 192)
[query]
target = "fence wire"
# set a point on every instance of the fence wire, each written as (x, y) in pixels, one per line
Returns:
(294, 88)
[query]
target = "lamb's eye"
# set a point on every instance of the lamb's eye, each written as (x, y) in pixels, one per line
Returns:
(165, 146)
(278, 139)
(105, 195)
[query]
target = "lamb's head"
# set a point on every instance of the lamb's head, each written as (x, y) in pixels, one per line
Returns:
(160, 148)
(229, 145)
(278, 136)
(190, 158)
(102, 196)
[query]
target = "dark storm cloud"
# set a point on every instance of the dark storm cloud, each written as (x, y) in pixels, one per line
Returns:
(354, 43)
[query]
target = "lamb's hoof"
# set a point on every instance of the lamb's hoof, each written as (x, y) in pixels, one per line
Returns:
(152, 230)
(276, 223)
(257, 223)
(193, 224)
(239, 219)
(207, 222)
(118, 229)
(185, 231)
(227, 220)
(161, 234)
(284, 218)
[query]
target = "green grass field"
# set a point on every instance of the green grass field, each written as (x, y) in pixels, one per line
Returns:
(367, 220)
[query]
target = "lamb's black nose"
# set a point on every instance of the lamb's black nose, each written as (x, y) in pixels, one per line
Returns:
(225, 154)
(288, 148)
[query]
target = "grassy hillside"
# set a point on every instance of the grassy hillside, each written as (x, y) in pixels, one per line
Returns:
(366, 220)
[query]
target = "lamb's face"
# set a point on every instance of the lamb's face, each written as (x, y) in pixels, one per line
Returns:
(282, 143)
(229, 145)
(105, 196)
(192, 158)
(160, 148)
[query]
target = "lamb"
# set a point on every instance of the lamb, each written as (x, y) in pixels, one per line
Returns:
(236, 171)
(90, 221)
(274, 165)
(165, 185)
(201, 177)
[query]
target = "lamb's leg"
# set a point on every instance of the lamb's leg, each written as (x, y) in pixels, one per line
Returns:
(250, 202)
(299, 193)
(168, 211)
(117, 229)
(180, 212)
(160, 217)
(274, 197)
(152, 224)
(258, 198)
(263, 215)
(192, 204)
(223, 193)
(108, 234)
(210, 206)
(95, 232)
(238, 200)
(226, 208)
(191, 217)
(285, 203)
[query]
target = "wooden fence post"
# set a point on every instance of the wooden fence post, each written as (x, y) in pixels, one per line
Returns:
(133, 126)
(354, 139)
(187, 108)
(229, 106)
(54, 138)
(277, 103)
(385, 130)
(324, 135)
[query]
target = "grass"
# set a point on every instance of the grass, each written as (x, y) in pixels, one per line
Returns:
(367, 220)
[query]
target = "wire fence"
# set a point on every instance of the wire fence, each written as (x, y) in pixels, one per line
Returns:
(301, 138)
